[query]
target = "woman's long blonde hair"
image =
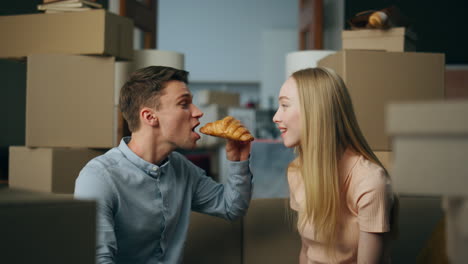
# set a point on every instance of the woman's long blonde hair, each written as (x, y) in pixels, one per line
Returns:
(329, 127)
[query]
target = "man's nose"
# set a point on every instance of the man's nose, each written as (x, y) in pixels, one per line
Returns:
(197, 112)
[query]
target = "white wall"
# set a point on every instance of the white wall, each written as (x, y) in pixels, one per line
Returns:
(275, 45)
(227, 41)
(222, 39)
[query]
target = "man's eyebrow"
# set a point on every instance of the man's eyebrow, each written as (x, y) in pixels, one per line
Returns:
(185, 95)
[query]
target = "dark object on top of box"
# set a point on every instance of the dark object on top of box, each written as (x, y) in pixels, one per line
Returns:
(68, 6)
(379, 19)
(46, 228)
(385, 29)
(94, 32)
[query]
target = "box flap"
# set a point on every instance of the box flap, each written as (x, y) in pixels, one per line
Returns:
(428, 118)
(93, 32)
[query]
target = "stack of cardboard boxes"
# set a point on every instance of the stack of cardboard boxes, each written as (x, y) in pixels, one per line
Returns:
(430, 144)
(378, 69)
(71, 111)
(71, 117)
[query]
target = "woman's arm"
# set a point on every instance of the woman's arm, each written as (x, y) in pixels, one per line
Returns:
(371, 247)
(303, 254)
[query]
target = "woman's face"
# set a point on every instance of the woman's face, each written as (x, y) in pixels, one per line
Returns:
(287, 117)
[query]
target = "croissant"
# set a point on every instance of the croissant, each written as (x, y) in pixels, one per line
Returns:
(229, 128)
(378, 20)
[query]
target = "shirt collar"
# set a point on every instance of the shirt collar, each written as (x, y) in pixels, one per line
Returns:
(149, 168)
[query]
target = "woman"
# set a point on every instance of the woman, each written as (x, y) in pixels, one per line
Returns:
(339, 188)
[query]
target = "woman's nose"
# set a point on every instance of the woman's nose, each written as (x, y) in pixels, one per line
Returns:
(276, 117)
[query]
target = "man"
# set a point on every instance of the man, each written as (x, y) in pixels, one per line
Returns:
(145, 190)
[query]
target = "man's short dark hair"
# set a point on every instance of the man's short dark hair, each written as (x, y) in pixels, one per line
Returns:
(143, 89)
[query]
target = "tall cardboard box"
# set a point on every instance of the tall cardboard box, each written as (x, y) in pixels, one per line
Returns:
(430, 142)
(393, 39)
(376, 78)
(71, 101)
(270, 234)
(212, 240)
(46, 228)
(52, 170)
(94, 32)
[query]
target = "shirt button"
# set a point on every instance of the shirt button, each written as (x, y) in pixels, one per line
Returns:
(155, 168)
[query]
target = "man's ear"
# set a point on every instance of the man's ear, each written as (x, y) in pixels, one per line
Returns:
(149, 116)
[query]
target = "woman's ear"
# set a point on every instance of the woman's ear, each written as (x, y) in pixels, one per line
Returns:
(148, 116)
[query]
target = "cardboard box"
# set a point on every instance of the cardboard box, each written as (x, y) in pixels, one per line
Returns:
(376, 78)
(430, 145)
(270, 234)
(213, 240)
(52, 170)
(225, 99)
(90, 32)
(393, 39)
(46, 228)
(71, 101)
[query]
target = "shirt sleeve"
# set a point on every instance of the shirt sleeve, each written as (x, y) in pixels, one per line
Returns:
(230, 200)
(91, 185)
(373, 199)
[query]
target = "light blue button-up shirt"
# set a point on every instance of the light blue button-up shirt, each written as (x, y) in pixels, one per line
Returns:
(144, 209)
